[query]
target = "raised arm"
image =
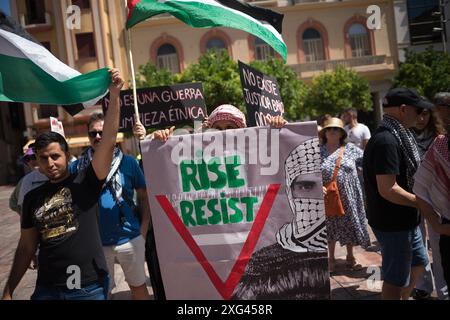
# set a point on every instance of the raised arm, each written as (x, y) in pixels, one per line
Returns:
(101, 161)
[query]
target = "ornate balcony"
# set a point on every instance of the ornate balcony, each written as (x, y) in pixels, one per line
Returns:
(326, 65)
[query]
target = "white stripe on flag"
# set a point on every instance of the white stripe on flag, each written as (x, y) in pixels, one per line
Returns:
(40, 56)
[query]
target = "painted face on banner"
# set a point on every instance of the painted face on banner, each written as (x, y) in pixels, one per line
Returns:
(304, 191)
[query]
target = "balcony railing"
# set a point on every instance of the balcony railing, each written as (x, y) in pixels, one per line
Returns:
(347, 63)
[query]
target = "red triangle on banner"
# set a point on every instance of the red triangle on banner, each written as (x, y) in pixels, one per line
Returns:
(225, 288)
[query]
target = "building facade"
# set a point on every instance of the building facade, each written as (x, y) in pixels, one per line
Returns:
(319, 34)
(420, 24)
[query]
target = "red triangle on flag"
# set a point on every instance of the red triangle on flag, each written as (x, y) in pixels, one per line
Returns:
(226, 288)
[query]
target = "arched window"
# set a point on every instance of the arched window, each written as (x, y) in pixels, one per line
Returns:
(359, 40)
(167, 58)
(312, 45)
(216, 43)
(262, 50)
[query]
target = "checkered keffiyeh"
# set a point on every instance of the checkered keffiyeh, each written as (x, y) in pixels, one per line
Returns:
(307, 230)
(227, 112)
(407, 144)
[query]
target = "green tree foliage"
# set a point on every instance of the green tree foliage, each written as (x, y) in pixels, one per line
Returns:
(333, 92)
(221, 81)
(150, 76)
(220, 77)
(330, 92)
(428, 72)
(293, 91)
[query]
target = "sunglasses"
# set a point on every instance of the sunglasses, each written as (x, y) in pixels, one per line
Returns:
(333, 129)
(93, 134)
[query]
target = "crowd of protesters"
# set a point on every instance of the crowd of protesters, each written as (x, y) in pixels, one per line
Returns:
(94, 212)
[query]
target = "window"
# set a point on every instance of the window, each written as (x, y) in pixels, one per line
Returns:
(85, 45)
(215, 43)
(46, 111)
(35, 12)
(421, 21)
(312, 45)
(359, 40)
(262, 50)
(167, 58)
(83, 4)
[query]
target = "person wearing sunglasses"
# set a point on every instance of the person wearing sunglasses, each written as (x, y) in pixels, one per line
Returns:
(123, 224)
(391, 159)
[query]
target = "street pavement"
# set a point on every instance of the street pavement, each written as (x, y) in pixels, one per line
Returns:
(345, 284)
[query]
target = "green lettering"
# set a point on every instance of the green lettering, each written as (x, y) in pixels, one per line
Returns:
(237, 216)
(189, 178)
(186, 208)
(221, 180)
(249, 202)
(232, 173)
(203, 173)
(199, 213)
(215, 217)
(223, 206)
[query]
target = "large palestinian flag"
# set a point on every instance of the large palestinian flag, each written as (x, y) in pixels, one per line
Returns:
(30, 73)
(262, 23)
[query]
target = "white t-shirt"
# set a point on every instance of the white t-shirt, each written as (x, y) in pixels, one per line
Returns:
(357, 134)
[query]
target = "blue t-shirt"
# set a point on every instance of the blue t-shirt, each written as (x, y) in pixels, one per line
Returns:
(112, 230)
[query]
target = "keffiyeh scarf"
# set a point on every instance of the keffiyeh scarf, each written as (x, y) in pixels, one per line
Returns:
(113, 180)
(407, 144)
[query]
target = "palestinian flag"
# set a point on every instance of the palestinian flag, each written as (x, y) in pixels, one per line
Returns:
(30, 73)
(262, 23)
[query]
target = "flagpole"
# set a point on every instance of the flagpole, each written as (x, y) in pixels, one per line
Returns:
(133, 75)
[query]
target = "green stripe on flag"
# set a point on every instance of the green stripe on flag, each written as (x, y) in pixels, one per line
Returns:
(203, 15)
(23, 81)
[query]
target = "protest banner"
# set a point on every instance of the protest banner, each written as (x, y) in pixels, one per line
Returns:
(239, 214)
(261, 95)
(57, 126)
(161, 107)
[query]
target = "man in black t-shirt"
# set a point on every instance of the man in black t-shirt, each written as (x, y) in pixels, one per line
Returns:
(61, 217)
(390, 161)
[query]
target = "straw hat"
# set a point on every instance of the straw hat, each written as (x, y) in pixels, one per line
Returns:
(333, 123)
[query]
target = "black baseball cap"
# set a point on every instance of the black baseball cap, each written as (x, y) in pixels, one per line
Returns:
(407, 96)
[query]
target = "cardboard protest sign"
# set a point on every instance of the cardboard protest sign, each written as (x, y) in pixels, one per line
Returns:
(57, 126)
(161, 107)
(261, 95)
(239, 214)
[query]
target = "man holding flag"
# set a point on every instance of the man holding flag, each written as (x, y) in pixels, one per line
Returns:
(61, 217)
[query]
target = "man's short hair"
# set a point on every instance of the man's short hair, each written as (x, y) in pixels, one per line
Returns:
(352, 111)
(98, 116)
(47, 138)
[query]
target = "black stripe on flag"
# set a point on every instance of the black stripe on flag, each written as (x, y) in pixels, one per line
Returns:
(9, 24)
(262, 14)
